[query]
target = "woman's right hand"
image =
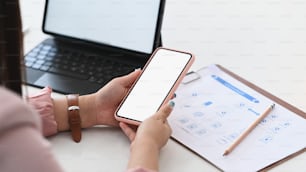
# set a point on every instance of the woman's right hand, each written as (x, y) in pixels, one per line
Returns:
(152, 134)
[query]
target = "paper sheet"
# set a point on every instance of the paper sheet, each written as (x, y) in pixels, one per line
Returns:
(211, 112)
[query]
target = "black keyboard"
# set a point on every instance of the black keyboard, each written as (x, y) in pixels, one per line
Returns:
(75, 64)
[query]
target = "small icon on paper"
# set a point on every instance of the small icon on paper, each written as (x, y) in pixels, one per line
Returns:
(216, 125)
(183, 120)
(207, 103)
(198, 114)
(194, 94)
(192, 126)
(201, 132)
(266, 139)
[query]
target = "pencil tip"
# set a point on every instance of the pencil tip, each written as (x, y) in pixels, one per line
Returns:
(273, 105)
(225, 153)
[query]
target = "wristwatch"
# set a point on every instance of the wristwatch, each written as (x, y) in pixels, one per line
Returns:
(74, 118)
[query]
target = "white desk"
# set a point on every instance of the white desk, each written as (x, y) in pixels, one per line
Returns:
(262, 41)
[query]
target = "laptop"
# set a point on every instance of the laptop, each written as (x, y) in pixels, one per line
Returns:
(93, 41)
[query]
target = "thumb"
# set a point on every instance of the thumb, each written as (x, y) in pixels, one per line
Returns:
(129, 79)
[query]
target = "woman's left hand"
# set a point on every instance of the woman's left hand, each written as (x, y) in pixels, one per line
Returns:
(101, 106)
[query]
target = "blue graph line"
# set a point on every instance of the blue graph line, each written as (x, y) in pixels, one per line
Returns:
(235, 89)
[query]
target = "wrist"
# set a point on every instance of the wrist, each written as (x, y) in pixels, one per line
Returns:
(60, 113)
(144, 143)
(88, 116)
(144, 153)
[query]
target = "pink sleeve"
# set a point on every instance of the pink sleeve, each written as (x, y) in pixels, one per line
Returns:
(42, 102)
(23, 148)
(139, 169)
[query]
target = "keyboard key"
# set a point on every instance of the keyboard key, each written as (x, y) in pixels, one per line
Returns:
(36, 50)
(40, 61)
(36, 66)
(44, 68)
(43, 52)
(46, 47)
(30, 59)
(32, 54)
(92, 79)
(51, 54)
(49, 58)
(47, 63)
(28, 64)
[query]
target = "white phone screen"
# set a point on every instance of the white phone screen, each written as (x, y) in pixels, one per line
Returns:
(154, 85)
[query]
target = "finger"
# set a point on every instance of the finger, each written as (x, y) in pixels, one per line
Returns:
(173, 96)
(130, 133)
(129, 79)
(169, 127)
(165, 111)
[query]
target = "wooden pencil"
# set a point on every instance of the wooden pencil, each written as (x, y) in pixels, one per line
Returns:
(248, 130)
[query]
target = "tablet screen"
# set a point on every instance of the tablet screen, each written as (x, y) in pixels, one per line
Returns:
(125, 24)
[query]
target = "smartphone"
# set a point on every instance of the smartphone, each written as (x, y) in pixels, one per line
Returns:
(155, 86)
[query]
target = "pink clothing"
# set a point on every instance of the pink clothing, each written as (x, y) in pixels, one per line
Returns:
(22, 145)
(42, 102)
(139, 169)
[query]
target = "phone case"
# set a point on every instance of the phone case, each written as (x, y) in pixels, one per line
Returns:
(171, 92)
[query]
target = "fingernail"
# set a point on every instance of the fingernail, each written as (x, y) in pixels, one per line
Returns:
(137, 69)
(172, 104)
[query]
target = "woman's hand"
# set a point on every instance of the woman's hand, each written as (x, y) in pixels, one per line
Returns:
(99, 108)
(151, 136)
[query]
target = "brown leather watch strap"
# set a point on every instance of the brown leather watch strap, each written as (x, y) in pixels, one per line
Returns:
(74, 118)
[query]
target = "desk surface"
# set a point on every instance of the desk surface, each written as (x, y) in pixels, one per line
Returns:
(262, 41)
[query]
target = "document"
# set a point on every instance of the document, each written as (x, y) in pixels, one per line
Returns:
(212, 110)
